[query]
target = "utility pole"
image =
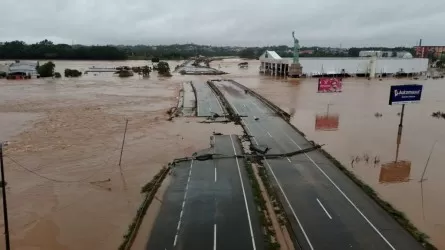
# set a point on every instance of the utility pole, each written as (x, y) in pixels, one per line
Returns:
(5, 207)
(399, 132)
(123, 142)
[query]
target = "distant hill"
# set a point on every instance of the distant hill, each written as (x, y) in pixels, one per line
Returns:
(48, 50)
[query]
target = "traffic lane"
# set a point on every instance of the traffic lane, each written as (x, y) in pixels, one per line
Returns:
(207, 100)
(398, 237)
(235, 227)
(259, 136)
(227, 145)
(255, 108)
(315, 222)
(164, 229)
(395, 233)
(352, 224)
(280, 128)
(262, 125)
(366, 237)
(309, 194)
(369, 211)
(196, 229)
(355, 231)
(236, 213)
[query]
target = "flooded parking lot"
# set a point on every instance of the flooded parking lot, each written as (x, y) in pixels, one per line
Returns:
(66, 134)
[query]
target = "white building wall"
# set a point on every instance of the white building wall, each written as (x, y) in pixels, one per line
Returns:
(312, 66)
(393, 65)
(356, 65)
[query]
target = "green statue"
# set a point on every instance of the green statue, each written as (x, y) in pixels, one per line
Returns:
(296, 48)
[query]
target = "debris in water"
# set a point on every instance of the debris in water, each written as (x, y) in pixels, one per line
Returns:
(438, 114)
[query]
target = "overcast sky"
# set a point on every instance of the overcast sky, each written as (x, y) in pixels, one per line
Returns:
(225, 22)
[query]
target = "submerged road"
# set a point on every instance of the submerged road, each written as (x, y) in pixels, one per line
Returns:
(208, 103)
(326, 209)
(209, 205)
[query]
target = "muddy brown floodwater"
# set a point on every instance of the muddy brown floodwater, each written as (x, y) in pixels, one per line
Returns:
(67, 134)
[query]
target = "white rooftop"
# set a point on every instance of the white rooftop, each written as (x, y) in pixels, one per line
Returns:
(270, 54)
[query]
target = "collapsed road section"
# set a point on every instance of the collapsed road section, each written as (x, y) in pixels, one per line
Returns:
(187, 100)
(200, 100)
(209, 203)
(326, 209)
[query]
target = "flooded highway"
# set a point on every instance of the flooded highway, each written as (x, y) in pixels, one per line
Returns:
(321, 200)
(70, 131)
(364, 141)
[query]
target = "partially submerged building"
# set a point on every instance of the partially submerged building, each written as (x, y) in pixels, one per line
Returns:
(273, 64)
(22, 69)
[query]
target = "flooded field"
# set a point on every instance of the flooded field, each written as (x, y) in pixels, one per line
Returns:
(65, 188)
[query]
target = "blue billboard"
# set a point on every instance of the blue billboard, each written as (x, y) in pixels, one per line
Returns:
(401, 94)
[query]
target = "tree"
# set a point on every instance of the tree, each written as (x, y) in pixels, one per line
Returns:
(146, 71)
(164, 69)
(46, 70)
(48, 50)
(394, 54)
(248, 53)
(72, 73)
(57, 75)
(441, 62)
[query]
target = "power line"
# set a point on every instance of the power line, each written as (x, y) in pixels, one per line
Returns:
(56, 180)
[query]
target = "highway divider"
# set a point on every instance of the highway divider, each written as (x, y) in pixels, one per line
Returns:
(258, 198)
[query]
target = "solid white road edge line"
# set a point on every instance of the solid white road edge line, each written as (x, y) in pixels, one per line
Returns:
(183, 204)
(244, 194)
(290, 206)
(344, 195)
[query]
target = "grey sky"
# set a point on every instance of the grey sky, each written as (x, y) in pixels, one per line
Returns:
(225, 22)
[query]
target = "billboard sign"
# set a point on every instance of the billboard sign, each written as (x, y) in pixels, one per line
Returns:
(402, 94)
(326, 122)
(395, 172)
(329, 85)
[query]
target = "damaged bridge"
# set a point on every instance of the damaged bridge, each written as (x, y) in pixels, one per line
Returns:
(209, 203)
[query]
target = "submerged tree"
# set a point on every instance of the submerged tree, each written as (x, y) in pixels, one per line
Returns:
(46, 70)
(164, 69)
(72, 73)
(146, 71)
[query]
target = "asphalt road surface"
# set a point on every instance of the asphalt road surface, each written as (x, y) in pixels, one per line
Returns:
(209, 205)
(208, 103)
(326, 209)
(188, 99)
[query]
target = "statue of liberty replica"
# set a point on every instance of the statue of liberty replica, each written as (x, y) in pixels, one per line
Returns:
(296, 70)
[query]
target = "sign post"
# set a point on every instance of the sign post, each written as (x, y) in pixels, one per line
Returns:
(403, 94)
(5, 206)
